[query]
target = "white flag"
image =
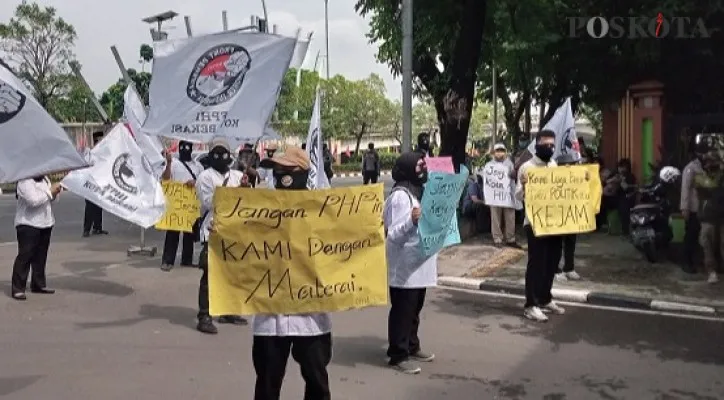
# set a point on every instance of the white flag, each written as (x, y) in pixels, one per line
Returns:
(564, 125)
(300, 54)
(33, 144)
(225, 84)
(317, 177)
(134, 113)
(121, 180)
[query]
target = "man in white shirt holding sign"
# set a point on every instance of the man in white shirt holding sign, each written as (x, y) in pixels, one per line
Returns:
(184, 170)
(498, 193)
(219, 174)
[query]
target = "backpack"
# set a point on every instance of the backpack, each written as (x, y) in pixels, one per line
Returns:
(370, 161)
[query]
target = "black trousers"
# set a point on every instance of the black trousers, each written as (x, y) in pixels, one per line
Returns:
(170, 245)
(692, 248)
(624, 205)
(93, 218)
(33, 245)
(569, 251)
(204, 283)
(271, 353)
(404, 323)
(370, 176)
(544, 253)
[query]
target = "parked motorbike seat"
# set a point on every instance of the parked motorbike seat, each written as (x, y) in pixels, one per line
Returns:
(641, 206)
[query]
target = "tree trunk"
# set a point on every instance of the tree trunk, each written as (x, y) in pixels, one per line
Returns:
(454, 101)
(359, 136)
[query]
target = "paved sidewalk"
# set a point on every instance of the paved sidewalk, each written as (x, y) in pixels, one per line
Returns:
(613, 272)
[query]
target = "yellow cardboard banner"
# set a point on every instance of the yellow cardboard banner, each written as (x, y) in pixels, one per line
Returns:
(182, 207)
(562, 200)
(596, 186)
(294, 252)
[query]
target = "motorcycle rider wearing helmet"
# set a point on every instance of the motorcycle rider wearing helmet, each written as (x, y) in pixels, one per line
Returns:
(689, 208)
(708, 185)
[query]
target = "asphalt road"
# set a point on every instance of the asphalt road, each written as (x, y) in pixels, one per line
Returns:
(120, 328)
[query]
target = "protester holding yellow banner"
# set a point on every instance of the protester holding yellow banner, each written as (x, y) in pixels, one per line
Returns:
(544, 252)
(282, 254)
(182, 205)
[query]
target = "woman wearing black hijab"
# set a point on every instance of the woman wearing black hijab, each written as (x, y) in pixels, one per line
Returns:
(410, 273)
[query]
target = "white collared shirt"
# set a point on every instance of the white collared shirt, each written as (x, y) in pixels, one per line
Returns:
(206, 185)
(179, 173)
(292, 325)
(33, 207)
(407, 267)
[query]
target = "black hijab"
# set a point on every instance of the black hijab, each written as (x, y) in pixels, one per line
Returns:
(404, 175)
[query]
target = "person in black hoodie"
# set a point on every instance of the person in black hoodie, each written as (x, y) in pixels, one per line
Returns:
(423, 144)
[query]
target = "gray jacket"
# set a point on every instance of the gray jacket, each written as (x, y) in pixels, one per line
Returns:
(689, 197)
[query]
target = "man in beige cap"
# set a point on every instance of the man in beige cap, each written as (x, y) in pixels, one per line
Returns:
(307, 337)
(219, 174)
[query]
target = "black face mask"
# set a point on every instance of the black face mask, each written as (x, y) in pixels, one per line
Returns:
(291, 180)
(219, 159)
(184, 151)
(544, 151)
(422, 176)
(39, 178)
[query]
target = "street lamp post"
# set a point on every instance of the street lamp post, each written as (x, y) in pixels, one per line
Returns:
(407, 75)
(326, 31)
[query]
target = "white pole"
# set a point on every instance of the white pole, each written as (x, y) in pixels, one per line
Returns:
(266, 16)
(224, 21)
(495, 107)
(407, 42)
(187, 21)
(326, 31)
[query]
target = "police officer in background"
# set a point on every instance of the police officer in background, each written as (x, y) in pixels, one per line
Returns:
(93, 217)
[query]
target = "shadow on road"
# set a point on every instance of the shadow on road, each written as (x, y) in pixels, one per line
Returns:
(175, 315)
(17, 383)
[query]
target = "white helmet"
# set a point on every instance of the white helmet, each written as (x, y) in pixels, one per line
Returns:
(669, 174)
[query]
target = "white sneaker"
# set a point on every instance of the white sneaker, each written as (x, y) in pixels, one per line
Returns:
(561, 277)
(572, 276)
(535, 314)
(713, 278)
(554, 308)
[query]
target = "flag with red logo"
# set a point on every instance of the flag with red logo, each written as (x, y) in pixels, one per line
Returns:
(224, 84)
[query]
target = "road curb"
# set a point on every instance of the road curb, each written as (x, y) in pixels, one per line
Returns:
(356, 174)
(581, 296)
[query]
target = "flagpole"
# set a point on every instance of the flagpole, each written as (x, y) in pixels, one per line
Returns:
(141, 249)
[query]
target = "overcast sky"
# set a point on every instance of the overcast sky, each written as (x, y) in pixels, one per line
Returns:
(102, 23)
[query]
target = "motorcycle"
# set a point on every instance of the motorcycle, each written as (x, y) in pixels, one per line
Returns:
(650, 229)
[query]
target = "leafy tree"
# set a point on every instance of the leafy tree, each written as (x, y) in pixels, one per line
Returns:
(146, 54)
(39, 45)
(355, 108)
(112, 98)
(75, 105)
(446, 33)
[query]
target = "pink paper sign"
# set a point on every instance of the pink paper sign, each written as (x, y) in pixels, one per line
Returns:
(440, 164)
